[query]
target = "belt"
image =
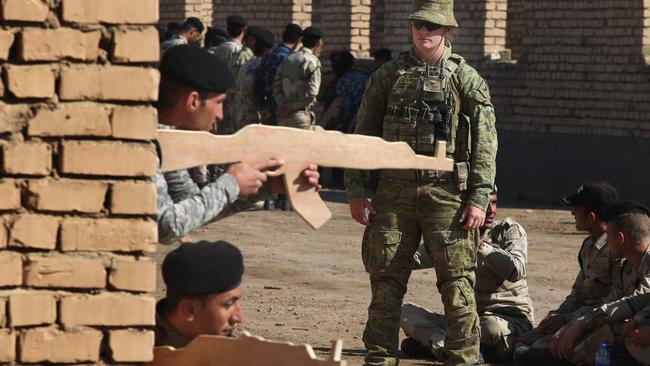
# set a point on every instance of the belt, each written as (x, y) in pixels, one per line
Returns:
(421, 176)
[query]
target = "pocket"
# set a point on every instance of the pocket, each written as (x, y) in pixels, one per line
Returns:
(461, 175)
(382, 248)
(459, 250)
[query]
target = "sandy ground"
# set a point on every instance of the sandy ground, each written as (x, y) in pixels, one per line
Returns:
(307, 286)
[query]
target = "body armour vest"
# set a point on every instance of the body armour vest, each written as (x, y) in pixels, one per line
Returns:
(423, 106)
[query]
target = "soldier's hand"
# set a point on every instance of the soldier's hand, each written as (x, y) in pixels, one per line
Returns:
(472, 217)
(250, 176)
(359, 208)
(551, 324)
(310, 176)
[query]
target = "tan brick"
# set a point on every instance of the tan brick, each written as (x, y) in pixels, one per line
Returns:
(3, 234)
(108, 158)
(32, 81)
(94, 82)
(3, 315)
(136, 45)
(39, 44)
(31, 308)
(24, 10)
(80, 234)
(71, 119)
(11, 269)
(131, 345)
(12, 116)
(137, 123)
(108, 309)
(133, 275)
(32, 158)
(56, 346)
(34, 231)
(61, 271)
(9, 195)
(6, 41)
(7, 346)
(66, 195)
(113, 12)
(133, 198)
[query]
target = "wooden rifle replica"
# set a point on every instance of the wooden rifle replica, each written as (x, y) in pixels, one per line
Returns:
(297, 148)
(245, 350)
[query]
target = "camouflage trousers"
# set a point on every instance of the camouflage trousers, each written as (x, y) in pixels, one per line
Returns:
(299, 119)
(408, 211)
(498, 331)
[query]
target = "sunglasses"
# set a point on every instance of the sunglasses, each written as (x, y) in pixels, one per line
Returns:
(418, 24)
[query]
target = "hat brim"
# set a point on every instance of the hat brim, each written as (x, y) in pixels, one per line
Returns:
(433, 18)
(570, 200)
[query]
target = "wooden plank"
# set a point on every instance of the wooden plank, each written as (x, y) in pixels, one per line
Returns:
(245, 350)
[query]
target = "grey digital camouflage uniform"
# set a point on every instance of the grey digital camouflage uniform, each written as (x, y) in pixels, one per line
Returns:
(182, 206)
(411, 205)
(503, 304)
(240, 58)
(296, 86)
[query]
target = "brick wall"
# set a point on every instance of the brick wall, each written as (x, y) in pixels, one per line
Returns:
(346, 25)
(77, 206)
(274, 14)
(582, 71)
(178, 11)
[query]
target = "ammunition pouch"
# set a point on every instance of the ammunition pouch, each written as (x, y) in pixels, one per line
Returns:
(461, 175)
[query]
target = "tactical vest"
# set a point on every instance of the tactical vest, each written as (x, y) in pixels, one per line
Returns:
(424, 106)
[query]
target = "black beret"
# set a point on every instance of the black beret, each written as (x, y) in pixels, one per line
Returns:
(194, 67)
(203, 268)
(262, 35)
(236, 21)
(622, 207)
(312, 33)
(220, 32)
(292, 29)
(596, 195)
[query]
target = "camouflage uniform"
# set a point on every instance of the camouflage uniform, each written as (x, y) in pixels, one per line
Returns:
(406, 100)
(228, 52)
(630, 281)
(593, 283)
(240, 58)
(246, 111)
(296, 86)
(174, 41)
(182, 206)
(265, 77)
(504, 306)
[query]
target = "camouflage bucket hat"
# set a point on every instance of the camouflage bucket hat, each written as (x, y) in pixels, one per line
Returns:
(434, 11)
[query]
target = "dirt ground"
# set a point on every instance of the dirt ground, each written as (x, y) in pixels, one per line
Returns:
(306, 286)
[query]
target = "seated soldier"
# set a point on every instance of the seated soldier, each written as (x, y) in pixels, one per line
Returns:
(594, 281)
(203, 293)
(628, 237)
(504, 307)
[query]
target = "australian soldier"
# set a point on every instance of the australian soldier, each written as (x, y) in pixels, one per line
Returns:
(426, 94)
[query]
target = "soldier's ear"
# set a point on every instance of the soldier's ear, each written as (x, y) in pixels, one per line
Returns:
(187, 308)
(592, 217)
(192, 101)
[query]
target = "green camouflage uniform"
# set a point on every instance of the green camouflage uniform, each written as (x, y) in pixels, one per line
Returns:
(296, 86)
(411, 205)
(245, 111)
(228, 52)
(504, 306)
